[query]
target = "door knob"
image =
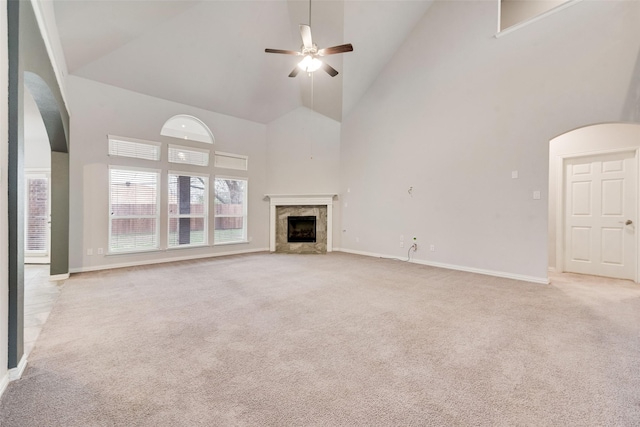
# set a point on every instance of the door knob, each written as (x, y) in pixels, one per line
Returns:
(628, 222)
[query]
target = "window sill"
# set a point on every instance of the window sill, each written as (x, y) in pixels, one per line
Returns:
(237, 242)
(146, 251)
(174, 248)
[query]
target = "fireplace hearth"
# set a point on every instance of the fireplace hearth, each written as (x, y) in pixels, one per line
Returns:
(301, 229)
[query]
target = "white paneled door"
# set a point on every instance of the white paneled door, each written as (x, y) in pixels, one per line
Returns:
(600, 215)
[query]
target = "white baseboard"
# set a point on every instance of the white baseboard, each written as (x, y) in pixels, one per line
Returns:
(16, 373)
(4, 382)
(13, 374)
(57, 277)
(163, 260)
(520, 277)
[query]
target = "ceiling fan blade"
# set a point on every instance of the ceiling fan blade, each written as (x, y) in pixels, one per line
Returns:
(329, 69)
(336, 49)
(294, 72)
(305, 33)
(286, 52)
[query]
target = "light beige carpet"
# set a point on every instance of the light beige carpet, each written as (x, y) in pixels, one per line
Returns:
(330, 340)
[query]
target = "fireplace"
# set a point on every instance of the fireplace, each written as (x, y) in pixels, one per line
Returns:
(317, 206)
(301, 229)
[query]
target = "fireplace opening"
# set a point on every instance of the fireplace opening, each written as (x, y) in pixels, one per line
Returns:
(301, 229)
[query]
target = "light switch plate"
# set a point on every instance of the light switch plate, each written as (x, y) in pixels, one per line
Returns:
(536, 195)
(514, 174)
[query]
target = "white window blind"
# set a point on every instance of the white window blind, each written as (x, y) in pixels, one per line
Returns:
(230, 221)
(231, 161)
(188, 156)
(134, 211)
(187, 209)
(37, 218)
(124, 147)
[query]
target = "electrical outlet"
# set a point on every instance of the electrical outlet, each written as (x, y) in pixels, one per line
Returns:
(401, 245)
(357, 239)
(402, 237)
(414, 247)
(432, 248)
(89, 252)
(100, 251)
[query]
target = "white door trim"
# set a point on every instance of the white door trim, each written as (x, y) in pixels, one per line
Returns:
(560, 203)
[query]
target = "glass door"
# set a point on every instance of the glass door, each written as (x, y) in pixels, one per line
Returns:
(37, 237)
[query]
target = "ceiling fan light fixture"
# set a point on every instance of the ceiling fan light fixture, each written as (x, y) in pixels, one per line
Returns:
(310, 64)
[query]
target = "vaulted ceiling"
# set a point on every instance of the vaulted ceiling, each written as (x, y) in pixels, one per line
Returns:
(210, 54)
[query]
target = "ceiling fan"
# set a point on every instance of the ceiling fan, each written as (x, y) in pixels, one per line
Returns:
(311, 54)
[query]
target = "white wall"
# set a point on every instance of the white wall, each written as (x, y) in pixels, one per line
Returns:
(37, 149)
(303, 153)
(98, 110)
(457, 110)
(4, 163)
(583, 141)
(303, 157)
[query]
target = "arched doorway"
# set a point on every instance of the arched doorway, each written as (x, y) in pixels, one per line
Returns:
(30, 67)
(608, 149)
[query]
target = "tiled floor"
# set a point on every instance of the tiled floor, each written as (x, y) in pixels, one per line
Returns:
(39, 296)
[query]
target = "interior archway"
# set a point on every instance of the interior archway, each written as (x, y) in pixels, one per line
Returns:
(591, 139)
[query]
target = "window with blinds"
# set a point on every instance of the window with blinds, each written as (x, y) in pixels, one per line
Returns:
(134, 210)
(187, 209)
(230, 218)
(231, 161)
(37, 215)
(188, 156)
(126, 147)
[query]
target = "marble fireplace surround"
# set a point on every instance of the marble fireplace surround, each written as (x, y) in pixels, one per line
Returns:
(300, 200)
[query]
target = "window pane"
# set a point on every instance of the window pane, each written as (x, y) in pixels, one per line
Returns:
(37, 214)
(133, 234)
(187, 231)
(229, 196)
(187, 156)
(133, 192)
(230, 161)
(230, 210)
(229, 230)
(138, 150)
(187, 195)
(134, 197)
(187, 210)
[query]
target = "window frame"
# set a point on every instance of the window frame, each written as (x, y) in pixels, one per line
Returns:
(157, 216)
(205, 216)
(245, 210)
